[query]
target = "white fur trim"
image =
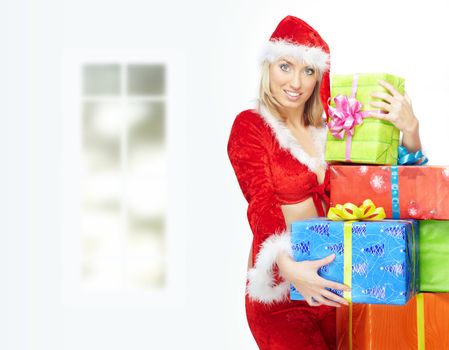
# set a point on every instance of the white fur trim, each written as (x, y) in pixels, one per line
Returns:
(288, 142)
(260, 278)
(314, 56)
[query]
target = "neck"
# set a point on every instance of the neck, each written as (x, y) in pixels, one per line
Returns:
(294, 117)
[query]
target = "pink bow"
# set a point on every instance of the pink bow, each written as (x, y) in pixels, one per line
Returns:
(345, 117)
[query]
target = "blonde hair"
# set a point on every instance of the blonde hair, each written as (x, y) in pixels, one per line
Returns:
(313, 109)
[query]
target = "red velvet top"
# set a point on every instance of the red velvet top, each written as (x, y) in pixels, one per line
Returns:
(272, 169)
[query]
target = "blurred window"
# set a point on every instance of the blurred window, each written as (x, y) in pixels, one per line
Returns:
(123, 176)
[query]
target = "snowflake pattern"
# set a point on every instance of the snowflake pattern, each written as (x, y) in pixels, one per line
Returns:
(362, 170)
(412, 211)
(377, 183)
(445, 172)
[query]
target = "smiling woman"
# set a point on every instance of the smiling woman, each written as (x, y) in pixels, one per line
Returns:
(291, 83)
(277, 152)
(296, 85)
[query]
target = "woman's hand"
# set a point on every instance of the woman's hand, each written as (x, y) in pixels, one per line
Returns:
(399, 112)
(399, 108)
(304, 276)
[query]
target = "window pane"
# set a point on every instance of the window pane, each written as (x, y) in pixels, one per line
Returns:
(146, 125)
(146, 195)
(101, 234)
(101, 135)
(101, 247)
(101, 79)
(145, 264)
(146, 79)
(146, 178)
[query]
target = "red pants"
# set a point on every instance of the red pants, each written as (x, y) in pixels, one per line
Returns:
(291, 325)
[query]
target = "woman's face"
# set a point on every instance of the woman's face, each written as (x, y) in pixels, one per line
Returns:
(291, 82)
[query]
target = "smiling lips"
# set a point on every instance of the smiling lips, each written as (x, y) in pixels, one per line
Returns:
(291, 95)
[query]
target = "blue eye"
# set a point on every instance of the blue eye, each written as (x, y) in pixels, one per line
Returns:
(309, 71)
(285, 67)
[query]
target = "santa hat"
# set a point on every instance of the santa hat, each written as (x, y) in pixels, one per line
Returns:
(295, 38)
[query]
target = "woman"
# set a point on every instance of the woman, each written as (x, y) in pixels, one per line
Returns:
(277, 152)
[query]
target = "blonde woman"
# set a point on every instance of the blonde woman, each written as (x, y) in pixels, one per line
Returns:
(277, 152)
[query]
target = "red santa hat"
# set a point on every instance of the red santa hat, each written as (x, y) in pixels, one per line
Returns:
(295, 38)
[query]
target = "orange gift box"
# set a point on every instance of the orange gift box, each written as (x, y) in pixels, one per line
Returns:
(406, 192)
(397, 327)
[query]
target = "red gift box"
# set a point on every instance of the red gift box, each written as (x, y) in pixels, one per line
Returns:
(422, 192)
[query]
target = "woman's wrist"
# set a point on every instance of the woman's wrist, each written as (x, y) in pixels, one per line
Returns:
(412, 129)
(410, 137)
(285, 263)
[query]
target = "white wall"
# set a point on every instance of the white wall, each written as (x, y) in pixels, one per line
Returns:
(220, 42)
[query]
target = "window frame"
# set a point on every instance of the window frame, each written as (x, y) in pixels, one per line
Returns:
(173, 292)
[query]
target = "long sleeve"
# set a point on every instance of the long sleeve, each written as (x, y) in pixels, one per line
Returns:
(249, 156)
(249, 150)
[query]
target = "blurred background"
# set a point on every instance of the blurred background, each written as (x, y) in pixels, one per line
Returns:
(122, 223)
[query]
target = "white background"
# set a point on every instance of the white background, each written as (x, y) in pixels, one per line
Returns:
(218, 44)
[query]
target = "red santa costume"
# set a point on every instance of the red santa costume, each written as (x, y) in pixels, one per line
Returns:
(272, 169)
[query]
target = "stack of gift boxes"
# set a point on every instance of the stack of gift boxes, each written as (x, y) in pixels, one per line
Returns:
(397, 268)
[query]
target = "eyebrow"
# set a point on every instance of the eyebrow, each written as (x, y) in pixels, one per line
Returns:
(289, 62)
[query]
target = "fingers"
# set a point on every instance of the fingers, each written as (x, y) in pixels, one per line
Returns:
(407, 98)
(324, 301)
(334, 297)
(312, 301)
(390, 88)
(383, 96)
(382, 105)
(383, 116)
(334, 285)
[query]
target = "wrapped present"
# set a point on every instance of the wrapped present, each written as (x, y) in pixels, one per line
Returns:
(416, 192)
(352, 136)
(421, 324)
(377, 259)
(434, 256)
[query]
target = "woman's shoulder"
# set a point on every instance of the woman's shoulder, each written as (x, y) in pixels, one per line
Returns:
(248, 123)
(250, 117)
(250, 132)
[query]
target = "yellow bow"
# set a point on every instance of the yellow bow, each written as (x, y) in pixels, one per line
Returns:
(349, 211)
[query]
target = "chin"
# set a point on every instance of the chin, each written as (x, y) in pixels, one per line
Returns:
(290, 104)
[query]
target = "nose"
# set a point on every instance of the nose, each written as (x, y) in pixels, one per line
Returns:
(296, 81)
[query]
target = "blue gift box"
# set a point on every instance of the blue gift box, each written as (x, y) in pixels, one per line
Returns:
(384, 257)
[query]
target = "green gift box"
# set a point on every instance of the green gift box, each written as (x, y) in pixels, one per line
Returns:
(434, 256)
(374, 141)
